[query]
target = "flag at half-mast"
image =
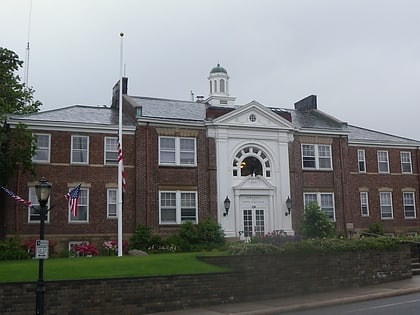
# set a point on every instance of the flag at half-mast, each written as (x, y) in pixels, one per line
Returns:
(16, 197)
(73, 198)
(120, 159)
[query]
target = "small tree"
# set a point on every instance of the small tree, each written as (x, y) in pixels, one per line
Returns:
(316, 223)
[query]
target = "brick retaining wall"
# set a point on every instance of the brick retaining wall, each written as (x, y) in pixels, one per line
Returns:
(255, 277)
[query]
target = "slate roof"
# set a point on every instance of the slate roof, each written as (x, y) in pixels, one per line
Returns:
(77, 114)
(170, 109)
(315, 119)
(363, 135)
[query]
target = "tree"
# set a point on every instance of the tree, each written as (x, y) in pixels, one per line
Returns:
(316, 223)
(17, 145)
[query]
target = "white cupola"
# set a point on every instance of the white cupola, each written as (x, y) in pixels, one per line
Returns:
(219, 88)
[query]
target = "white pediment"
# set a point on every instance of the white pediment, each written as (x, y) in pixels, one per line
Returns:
(254, 183)
(253, 115)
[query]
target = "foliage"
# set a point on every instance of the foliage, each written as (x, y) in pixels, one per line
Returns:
(205, 235)
(17, 145)
(83, 249)
(316, 246)
(144, 239)
(376, 228)
(275, 238)
(316, 224)
(110, 248)
(253, 249)
(11, 250)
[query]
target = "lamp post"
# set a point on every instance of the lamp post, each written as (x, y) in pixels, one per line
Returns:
(43, 190)
(288, 205)
(226, 203)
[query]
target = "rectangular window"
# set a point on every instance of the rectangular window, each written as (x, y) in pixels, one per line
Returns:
(316, 156)
(177, 207)
(409, 205)
(406, 162)
(111, 203)
(79, 149)
(33, 214)
(111, 150)
(364, 204)
(82, 208)
(385, 199)
(383, 163)
(361, 159)
(42, 151)
(177, 151)
(324, 200)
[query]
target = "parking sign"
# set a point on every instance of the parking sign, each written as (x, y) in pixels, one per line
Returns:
(41, 249)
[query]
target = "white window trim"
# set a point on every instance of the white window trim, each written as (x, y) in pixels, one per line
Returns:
(318, 200)
(49, 149)
(178, 152)
(362, 204)
(178, 206)
(317, 157)
(108, 203)
(105, 151)
(87, 209)
(361, 160)
(87, 150)
(387, 161)
(410, 162)
(34, 201)
(414, 205)
(380, 206)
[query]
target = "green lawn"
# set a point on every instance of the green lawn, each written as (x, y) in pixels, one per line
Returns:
(105, 267)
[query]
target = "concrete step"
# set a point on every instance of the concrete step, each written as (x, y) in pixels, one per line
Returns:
(415, 271)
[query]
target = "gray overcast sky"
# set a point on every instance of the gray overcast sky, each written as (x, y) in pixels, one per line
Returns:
(360, 57)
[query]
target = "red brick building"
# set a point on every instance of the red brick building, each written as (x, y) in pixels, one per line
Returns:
(183, 158)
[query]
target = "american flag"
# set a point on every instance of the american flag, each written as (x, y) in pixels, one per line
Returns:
(120, 158)
(73, 196)
(16, 197)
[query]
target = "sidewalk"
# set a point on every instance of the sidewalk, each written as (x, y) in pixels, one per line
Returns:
(280, 305)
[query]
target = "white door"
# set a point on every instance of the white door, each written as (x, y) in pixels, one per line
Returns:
(253, 222)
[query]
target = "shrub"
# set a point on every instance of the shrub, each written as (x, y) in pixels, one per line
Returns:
(316, 223)
(110, 248)
(376, 229)
(83, 249)
(275, 238)
(253, 249)
(205, 235)
(11, 250)
(145, 240)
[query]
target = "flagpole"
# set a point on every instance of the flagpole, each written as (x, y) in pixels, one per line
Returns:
(120, 194)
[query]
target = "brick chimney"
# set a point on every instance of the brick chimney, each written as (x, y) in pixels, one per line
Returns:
(116, 91)
(308, 103)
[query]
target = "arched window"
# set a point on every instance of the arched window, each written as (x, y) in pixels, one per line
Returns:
(211, 88)
(222, 85)
(215, 86)
(251, 161)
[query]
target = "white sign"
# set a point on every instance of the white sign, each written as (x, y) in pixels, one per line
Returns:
(41, 250)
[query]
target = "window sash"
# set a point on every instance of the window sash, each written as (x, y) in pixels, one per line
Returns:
(82, 208)
(361, 159)
(111, 203)
(406, 166)
(43, 144)
(383, 162)
(316, 156)
(79, 149)
(177, 151)
(385, 199)
(177, 207)
(324, 200)
(111, 150)
(409, 205)
(364, 204)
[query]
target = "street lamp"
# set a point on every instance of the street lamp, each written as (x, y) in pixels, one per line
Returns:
(43, 190)
(288, 205)
(226, 203)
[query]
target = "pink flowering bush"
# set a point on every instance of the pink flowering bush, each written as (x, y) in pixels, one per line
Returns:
(83, 249)
(110, 248)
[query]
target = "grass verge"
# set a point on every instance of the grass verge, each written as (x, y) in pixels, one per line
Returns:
(105, 267)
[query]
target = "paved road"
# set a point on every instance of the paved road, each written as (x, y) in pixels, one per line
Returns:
(403, 305)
